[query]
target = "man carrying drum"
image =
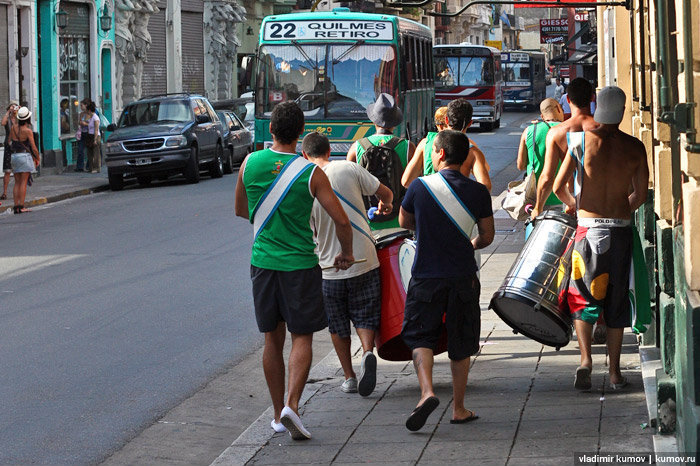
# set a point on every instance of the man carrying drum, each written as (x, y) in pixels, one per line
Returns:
(276, 190)
(353, 294)
(533, 145)
(443, 208)
(606, 163)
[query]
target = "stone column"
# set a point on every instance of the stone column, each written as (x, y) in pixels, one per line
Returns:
(142, 40)
(124, 41)
(220, 45)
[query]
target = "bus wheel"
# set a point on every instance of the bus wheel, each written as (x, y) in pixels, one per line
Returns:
(497, 123)
(486, 126)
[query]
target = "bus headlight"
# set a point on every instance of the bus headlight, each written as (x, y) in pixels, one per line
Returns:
(526, 94)
(113, 147)
(484, 103)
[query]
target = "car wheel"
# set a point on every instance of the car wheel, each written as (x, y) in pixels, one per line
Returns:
(228, 166)
(192, 169)
(116, 181)
(144, 180)
(216, 169)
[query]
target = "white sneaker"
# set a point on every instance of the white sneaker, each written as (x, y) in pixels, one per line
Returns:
(350, 385)
(292, 422)
(368, 374)
(277, 426)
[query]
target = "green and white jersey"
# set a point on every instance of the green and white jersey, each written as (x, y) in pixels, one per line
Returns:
(428, 168)
(535, 158)
(286, 242)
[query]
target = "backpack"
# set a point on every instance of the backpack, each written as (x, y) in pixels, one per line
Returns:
(384, 163)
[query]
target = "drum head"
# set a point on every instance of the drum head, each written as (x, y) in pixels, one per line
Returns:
(541, 325)
(557, 215)
(407, 254)
(383, 238)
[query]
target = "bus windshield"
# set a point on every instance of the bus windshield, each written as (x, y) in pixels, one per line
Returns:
(516, 72)
(463, 71)
(336, 81)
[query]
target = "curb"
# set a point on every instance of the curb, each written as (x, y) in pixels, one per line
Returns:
(63, 196)
(255, 437)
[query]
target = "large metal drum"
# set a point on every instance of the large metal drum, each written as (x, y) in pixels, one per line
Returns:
(530, 300)
(396, 254)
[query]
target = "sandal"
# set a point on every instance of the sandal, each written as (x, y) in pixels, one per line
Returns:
(3, 197)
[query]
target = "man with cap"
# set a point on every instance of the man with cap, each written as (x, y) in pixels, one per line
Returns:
(386, 116)
(607, 165)
(579, 95)
(532, 146)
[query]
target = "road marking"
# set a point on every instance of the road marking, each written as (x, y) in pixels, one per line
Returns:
(514, 133)
(11, 267)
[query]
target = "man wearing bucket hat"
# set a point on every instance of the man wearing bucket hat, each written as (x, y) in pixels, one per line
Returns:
(25, 157)
(605, 163)
(386, 116)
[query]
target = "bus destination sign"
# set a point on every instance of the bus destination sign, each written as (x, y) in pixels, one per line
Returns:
(328, 29)
(515, 56)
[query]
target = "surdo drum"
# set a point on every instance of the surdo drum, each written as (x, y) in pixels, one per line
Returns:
(530, 298)
(396, 253)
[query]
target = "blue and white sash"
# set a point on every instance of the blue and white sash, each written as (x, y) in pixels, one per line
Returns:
(358, 219)
(448, 201)
(270, 201)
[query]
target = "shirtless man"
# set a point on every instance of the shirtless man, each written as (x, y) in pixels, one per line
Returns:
(579, 97)
(613, 162)
(458, 118)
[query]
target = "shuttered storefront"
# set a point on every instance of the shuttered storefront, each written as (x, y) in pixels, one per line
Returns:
(154, 79)
(4, 68)
(193, 46)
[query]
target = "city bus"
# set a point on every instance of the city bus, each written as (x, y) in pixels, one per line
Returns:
(472, 72)
(524, 76)
(334, 64)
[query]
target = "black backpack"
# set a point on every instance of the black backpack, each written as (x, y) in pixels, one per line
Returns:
(384, 163)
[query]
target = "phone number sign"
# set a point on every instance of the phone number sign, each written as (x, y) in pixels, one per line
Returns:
(329, 29)
(554, 31)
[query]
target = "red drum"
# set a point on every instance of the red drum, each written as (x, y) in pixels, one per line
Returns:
(396, 254)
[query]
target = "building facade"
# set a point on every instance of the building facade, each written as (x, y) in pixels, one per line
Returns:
(653, 52)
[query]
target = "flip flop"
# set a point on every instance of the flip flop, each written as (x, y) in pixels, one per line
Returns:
(583, 378)
(621, 385)
(470, 418)
(419, 415)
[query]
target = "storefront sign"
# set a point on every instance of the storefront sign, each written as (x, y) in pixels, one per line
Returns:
(497, 44)
(554, 31)
(581, 16)
(328, 29)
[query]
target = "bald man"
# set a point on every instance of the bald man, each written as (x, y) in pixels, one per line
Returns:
(533, 145)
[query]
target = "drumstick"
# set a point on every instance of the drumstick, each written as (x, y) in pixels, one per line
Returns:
(351, 263)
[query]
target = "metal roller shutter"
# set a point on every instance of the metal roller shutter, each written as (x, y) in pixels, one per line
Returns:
(154, 79)
(192, 52)
(192, 6)
(4, 68)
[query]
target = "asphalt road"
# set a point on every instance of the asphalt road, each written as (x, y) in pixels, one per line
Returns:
(116, 307)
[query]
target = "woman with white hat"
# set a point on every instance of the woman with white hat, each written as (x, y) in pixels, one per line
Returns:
(8, 121)
(25, 157)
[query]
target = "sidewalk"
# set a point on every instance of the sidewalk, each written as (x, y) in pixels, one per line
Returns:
(530, 413)
(53, 188)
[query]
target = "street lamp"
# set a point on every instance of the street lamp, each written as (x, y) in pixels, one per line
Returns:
(105, 19)
(61, 19)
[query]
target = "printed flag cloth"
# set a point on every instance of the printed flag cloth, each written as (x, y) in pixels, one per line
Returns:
(640, 300)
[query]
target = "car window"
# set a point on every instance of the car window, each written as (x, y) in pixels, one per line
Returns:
(210, 110)
(145, 113)
(236, 125)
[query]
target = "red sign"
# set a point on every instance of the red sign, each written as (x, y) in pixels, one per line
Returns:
(554, 31)
(581, 16)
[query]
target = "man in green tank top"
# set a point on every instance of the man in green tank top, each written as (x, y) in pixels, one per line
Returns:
(533, 145)
(386, 116)
(276, 191)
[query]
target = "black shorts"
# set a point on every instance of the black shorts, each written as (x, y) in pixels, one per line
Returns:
(428, 300)
(293, 297)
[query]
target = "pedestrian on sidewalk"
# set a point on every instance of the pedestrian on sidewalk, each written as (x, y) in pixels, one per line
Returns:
(459, 118)
(276, 190)
(389, 162)
(533, 146)
(25, 157)
(606, 165)
(9, 119)
(444, 280)
(81, 134)
(559, 89)
(579, 95)
(354, 294)
(92, 138)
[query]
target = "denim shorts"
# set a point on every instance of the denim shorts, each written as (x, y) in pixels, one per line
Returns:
(22, 162)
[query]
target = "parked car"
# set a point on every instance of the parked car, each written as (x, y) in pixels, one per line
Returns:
(238, 140)
(243, 107)
(159, 136)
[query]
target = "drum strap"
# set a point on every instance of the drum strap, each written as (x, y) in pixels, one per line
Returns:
(454, 208)
(357, 218)
(575, 142)
(275, 194)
